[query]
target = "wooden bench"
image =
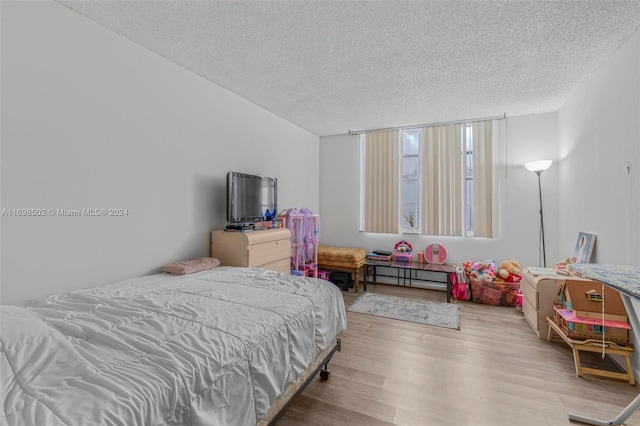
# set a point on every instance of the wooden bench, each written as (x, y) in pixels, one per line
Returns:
(592, 345)
(343, 259)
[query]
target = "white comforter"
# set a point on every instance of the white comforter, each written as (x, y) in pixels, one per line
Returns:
(212, 348)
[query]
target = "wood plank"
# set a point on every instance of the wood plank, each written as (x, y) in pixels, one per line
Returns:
(494, 371)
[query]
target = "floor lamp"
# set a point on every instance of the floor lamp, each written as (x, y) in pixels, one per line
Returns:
(538, 167)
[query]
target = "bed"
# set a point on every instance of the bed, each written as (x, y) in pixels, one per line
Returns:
(226, 346)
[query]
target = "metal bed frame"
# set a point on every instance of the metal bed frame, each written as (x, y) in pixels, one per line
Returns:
(325, 373)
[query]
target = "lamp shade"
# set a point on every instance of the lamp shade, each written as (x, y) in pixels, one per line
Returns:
(538, 166)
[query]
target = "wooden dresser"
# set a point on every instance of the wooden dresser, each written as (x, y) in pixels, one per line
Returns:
(538, 294)
(268, 248)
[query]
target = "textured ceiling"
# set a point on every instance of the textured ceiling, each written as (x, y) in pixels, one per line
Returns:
(334, 66)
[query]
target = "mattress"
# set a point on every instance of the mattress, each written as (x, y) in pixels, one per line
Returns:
(623, 278)
(215, 347)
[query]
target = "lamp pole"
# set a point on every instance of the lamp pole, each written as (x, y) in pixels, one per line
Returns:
(538, 167)
(544, 255)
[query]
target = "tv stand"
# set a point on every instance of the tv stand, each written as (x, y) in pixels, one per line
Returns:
(268, 248)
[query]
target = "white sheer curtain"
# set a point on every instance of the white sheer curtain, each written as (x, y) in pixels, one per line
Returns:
(381, 181)
(443, 180)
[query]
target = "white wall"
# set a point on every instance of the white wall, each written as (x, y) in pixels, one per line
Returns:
(92, 120)
(529, 138)
(599, 145)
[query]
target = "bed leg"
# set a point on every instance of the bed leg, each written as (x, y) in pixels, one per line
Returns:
(325, 373)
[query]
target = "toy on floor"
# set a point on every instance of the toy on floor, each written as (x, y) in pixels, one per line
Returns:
(484, 271)
(509, 271)
(487, 284)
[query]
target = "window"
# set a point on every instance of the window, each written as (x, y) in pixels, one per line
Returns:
(442, 183)
(467, 142)
(410, 182)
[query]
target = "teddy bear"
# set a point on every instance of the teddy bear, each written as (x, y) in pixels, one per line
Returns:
(509, 271)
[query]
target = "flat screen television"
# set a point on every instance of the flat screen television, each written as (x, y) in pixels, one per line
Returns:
(250, 196)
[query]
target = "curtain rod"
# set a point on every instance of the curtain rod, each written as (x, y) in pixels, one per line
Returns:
(442, 123)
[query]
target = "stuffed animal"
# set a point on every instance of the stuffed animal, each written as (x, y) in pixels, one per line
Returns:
(509, 271)
(483, 271)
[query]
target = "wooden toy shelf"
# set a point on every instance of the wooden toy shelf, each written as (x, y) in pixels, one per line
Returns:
(592, 345)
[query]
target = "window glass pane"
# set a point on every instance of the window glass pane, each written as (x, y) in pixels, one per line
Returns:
(410, 143)
(469, 138)
(410, 197)
(410, 167)
(468, 208)
(410, 193)
(410, 216)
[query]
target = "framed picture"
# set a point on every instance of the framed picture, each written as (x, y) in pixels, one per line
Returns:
(584, 248)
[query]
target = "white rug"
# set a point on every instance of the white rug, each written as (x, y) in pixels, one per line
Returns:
(420, 311)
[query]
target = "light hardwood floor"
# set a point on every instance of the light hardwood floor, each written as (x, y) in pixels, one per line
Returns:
(494, 371)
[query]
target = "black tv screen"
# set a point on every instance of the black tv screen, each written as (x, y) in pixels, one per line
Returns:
(250, 196)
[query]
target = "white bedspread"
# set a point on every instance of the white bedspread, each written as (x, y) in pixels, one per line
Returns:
(211, 348)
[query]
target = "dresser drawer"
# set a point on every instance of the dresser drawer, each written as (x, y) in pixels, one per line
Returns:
(282, 265)
(529, 293)
(263, 253)
(531, 315)
(251, 249)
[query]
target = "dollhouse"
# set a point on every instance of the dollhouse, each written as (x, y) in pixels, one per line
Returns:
(591, 317)
(589, 310)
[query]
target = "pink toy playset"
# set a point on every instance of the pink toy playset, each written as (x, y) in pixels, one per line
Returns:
(305, 236)
(403, 251)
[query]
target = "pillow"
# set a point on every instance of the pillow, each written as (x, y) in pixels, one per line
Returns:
(190, 266)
